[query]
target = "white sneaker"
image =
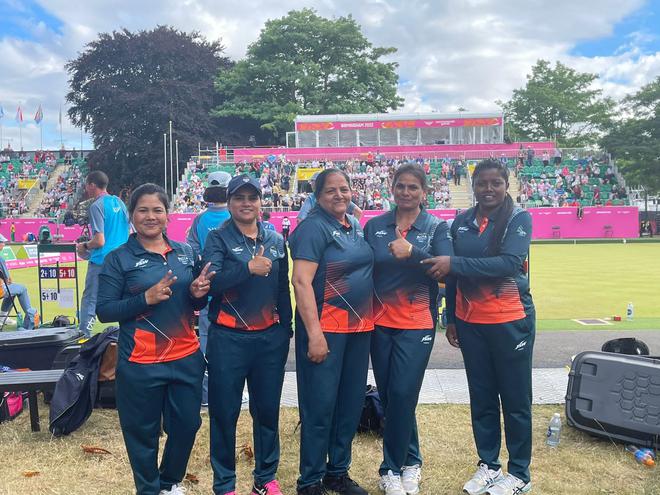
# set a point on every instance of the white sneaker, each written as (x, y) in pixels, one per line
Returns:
(177, 489)
(510, 485)
(390, 483)
(482, 480)
(410, 478)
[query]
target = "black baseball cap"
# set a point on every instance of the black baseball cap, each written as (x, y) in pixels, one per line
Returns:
(243, 180)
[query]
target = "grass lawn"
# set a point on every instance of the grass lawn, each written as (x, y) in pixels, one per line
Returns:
(581, 465)
(568, 282)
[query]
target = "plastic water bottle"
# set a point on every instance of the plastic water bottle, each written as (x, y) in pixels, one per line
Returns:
(630, 311)
(19, 319)
(642, 456)
(554, 430)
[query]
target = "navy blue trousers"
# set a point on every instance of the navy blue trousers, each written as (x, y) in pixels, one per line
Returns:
(399, 359)
(498, 364)
(330, 401)
(147, 393)
(235, 356)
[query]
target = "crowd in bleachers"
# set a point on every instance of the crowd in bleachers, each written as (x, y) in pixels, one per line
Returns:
(61, 196)
(568, 182)
(370, 180)
(18, 166)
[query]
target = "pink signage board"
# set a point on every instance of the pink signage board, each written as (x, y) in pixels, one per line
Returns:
(471, 151)
(548, 223)
(397, 124)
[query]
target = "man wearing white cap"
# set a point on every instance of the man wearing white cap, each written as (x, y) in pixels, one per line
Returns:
(16, 290)
(213, 217)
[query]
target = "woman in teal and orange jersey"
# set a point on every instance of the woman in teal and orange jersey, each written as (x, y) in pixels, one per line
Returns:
(492, 318)
(405, 314)
(332, 279)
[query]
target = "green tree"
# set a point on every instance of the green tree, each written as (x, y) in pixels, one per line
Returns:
(558, 104)
(635, 141)
(306, 64)
(124, 89)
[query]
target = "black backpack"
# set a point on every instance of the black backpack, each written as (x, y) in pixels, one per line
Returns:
(372, 418)
(76, 391)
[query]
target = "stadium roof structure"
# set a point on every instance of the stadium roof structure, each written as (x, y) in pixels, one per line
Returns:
(396, 129)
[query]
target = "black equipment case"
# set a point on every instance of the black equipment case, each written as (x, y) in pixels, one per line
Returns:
(35, 349)
(615, 396)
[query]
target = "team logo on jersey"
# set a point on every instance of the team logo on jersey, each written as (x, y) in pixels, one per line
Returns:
(521, 232)
(184, 260)
(427, 339)
(462, 229)
(116, 209)
(380, 233)
(237, 249)
(422, 237)
(141, 263)
(273, 252)
(360, 233)
(336, 233)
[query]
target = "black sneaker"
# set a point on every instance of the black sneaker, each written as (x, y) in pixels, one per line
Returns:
(343, 485)
(317, 489)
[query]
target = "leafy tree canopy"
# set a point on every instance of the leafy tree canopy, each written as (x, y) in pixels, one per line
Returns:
(125, 87)
(635, 141)
(558, 103)
(307, 64)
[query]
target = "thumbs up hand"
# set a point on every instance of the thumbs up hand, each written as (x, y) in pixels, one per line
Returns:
(260, 265)
(400, 248)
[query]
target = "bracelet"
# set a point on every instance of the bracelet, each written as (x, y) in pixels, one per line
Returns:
(410, 249)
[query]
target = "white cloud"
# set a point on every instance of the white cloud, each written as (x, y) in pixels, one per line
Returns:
(450, 54)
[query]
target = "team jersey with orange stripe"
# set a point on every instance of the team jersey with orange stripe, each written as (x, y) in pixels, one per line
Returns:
(405, 298)
(239, 299)
(343, 284)
(149, 334)
(489, 289)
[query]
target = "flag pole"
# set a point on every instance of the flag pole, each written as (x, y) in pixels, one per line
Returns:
(41, 135)
(177, 160)
(165, 158)
(171, 165)
(62, 140)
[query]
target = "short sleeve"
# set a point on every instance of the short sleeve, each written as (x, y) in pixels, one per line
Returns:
(96, 219)
(308, 242)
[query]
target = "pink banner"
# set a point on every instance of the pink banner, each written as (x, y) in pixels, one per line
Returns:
(397, 124)
(49, 260)
(596, 222)
(471, 151)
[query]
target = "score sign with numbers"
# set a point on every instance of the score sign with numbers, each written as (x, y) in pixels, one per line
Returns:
(61, 272)
(64, 297)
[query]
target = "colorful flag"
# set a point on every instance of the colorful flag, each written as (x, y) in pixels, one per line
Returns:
(19, 115)
(39, 116)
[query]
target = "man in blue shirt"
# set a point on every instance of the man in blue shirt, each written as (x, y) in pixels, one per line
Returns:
(15, 290)
(108, 221)
(212, 218)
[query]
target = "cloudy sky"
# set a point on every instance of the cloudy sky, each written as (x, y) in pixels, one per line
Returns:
(466, 53)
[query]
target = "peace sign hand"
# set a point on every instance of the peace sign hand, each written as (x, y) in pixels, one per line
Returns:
(400, 248)
(201, 285)
(161, 291)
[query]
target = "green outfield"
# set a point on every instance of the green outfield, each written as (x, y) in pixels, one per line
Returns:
(569, 282)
